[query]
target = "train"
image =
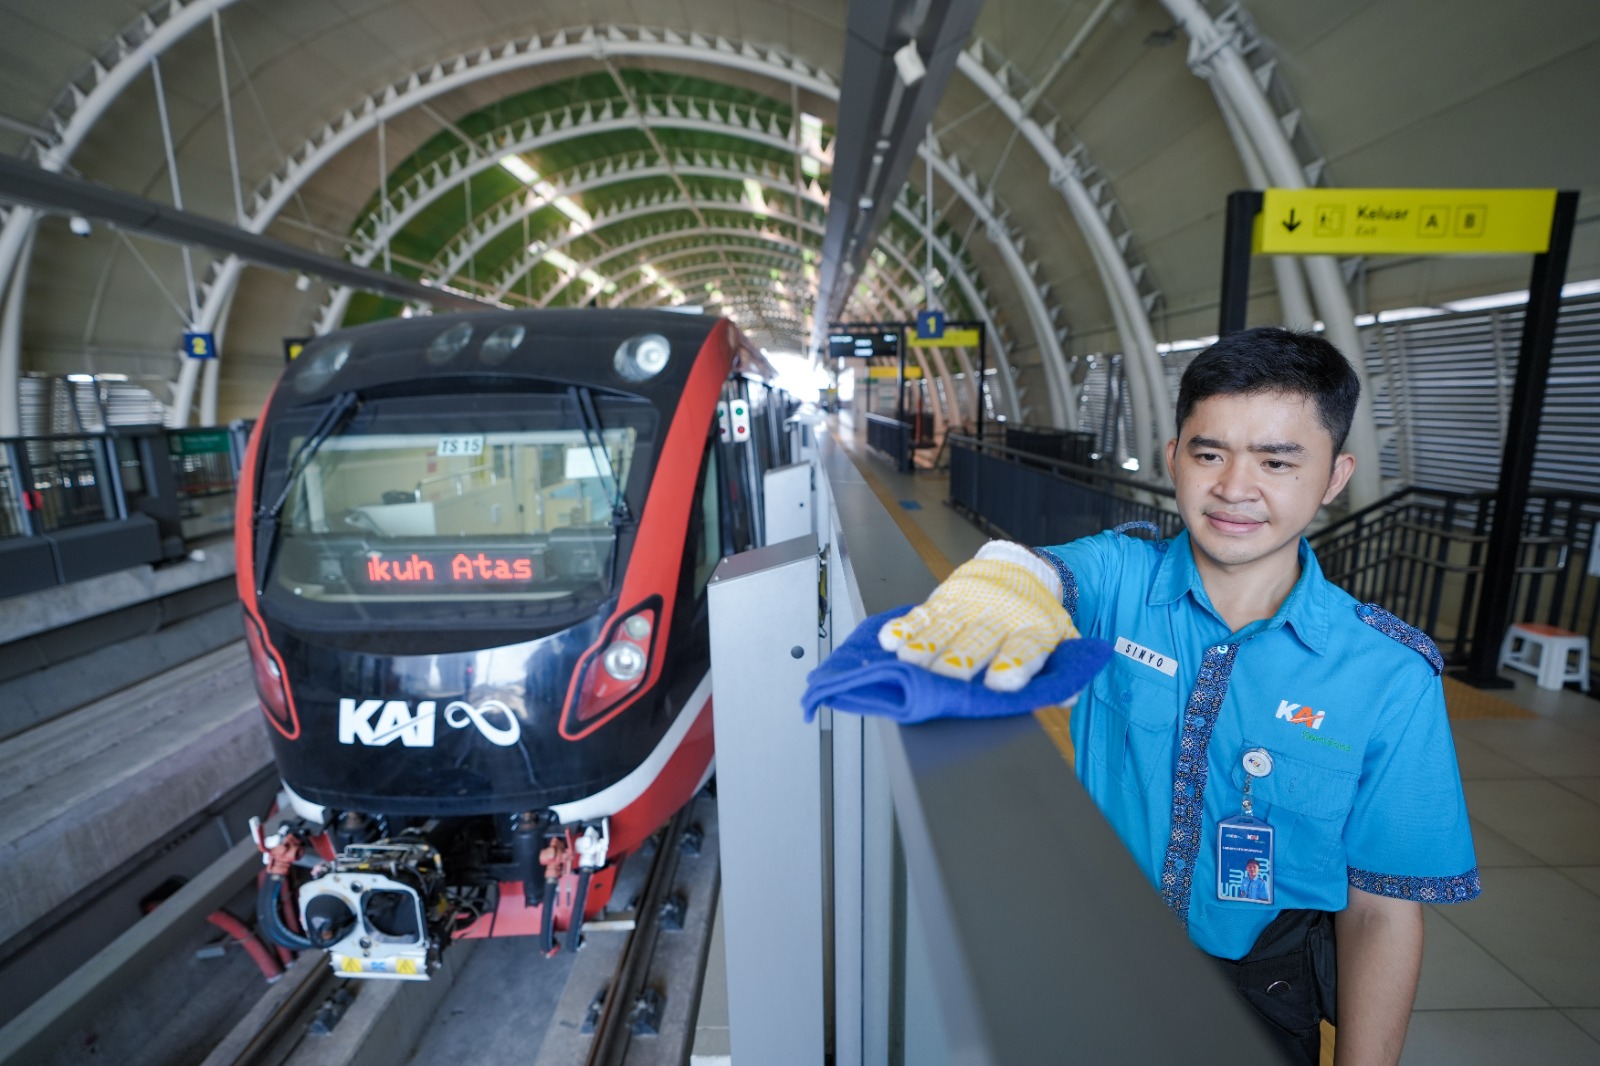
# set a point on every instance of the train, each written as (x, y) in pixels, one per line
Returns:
(472, 558)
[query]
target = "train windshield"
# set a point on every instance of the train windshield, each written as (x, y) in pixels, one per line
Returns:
(521, 503)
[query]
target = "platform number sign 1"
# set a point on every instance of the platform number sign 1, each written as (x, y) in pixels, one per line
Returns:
(200, 345)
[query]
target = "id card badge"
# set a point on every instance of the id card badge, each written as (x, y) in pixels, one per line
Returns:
(1245, 872)
(1244, 860)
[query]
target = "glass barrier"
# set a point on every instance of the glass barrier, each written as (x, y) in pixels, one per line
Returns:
(203, 468)
(70, 482)
(13, 520)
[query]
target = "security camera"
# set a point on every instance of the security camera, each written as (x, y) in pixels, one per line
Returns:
(80, 226)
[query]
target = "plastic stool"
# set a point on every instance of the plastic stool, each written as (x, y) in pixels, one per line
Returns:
(1552, 648)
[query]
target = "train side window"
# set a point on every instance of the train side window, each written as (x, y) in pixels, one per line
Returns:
(708, 541)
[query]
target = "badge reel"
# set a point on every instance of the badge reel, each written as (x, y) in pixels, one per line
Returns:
(1245, 871)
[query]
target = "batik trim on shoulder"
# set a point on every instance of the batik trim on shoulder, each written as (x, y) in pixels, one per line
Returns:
(1458, 889)
(1069, 580)
(1128, 527)
(1409, 635)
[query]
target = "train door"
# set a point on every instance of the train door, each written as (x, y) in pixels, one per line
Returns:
(739, 466)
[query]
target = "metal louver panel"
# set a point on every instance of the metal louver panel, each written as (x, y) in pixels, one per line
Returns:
(1442, 393)
(1104, 411)
(57, 406)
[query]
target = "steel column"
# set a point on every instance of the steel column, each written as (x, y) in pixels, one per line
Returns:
(1243, 207)
(1522, 440)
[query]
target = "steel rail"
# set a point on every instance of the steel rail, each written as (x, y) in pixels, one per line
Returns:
(611, 1035)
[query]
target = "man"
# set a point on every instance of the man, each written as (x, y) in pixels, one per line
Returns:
(1253, 705)
(1254, 886)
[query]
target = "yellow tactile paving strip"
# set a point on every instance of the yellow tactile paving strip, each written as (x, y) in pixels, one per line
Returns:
(1464, 701)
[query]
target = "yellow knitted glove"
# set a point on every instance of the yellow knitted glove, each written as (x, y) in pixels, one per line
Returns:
(1001, 610)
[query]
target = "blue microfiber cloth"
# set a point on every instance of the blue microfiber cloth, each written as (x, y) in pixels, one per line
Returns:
(862, 678)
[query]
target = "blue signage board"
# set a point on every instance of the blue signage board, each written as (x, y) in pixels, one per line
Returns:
(200, 345)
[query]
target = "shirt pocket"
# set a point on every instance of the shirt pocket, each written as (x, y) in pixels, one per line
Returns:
(1139, 722)
(1307, 806)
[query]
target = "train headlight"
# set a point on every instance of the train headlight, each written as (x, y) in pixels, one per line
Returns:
(643, 357)
(617, 668)
(624, 660)
(320, 366)
(499, 345)
(448, 344)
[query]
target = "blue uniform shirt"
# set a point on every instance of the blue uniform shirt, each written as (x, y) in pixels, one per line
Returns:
(1346, 698)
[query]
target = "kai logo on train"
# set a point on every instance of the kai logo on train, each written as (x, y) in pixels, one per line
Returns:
(1300, 714)
(376, 723)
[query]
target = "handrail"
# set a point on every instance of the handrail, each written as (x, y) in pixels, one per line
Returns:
(1354, 518)
(1421, 553)
(1061, 467)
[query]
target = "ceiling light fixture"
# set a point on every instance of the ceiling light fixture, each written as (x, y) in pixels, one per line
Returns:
(909, 63)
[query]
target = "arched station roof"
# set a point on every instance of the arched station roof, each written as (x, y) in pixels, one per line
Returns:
(691, 152)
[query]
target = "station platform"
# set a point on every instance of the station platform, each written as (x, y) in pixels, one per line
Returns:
(1510, 976)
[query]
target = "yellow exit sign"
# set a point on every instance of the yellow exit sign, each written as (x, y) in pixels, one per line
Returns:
(1404, 221)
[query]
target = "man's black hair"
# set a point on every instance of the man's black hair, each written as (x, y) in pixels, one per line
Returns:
(1272, 359)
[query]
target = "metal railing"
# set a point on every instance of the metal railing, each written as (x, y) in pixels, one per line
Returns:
(1047, 444)
(1037, 500)
(1420, 554)
(893, 438)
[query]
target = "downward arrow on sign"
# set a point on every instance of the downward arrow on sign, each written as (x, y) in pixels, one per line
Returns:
(1292, 223)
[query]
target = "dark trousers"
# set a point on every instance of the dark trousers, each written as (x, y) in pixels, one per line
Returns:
(1289, 979)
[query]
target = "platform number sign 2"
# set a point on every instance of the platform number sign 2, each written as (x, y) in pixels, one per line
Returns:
(200, 345)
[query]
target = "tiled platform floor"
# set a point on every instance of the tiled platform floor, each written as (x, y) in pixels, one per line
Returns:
(1513, 976)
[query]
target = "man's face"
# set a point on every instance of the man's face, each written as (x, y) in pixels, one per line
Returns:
(1250, 471)
(1251, 869)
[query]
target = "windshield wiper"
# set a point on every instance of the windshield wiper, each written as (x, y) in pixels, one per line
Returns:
(584, 399)
(334, 413)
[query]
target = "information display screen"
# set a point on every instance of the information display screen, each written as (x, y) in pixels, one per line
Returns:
(862, 344)
(511, 571)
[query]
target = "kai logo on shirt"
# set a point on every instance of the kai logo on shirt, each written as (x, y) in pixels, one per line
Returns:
(1300, 715)
(376, 723)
